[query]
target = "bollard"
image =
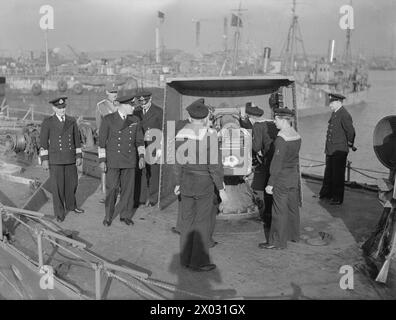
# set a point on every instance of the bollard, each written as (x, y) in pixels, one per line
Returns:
(348, 171)
(103, 182)
(40, 247)
(1, 225)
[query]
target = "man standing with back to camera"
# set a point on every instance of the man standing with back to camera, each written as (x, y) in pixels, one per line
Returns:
(340, 137)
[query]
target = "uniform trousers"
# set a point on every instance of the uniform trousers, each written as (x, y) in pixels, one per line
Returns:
(119, 179)
(64, 181)
(334, 176)
(196, 225)
(215, 211)
(147, 183)
(285, 224)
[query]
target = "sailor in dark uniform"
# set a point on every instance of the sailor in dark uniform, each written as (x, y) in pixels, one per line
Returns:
(151, 120)
(196, 182)
(340, 137)
(120, 138)
(60, 152)
(264, 134)
(216, 199)
(283, 183)
(180, 124)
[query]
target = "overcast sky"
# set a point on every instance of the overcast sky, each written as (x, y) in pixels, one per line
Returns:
(95, 25)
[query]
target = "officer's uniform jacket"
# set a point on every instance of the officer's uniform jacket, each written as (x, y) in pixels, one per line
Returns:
(119, 140)
(340, 132)
(60, 141)
(194, 178)
(284, 164)
(103, 108)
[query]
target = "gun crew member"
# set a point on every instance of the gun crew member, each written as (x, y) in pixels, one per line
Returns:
(60, 152)
(120, 139)
(197, 175)
(264, 135)
(340, 137)
(283, 183)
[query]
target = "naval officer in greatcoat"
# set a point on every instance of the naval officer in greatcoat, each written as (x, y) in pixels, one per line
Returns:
(120, 139)
(151, 119)
(340, 137)
(60, 152)
(197, 174)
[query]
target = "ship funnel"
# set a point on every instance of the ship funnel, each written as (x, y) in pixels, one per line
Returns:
(267, 55)
(2, 87)
(331, 50)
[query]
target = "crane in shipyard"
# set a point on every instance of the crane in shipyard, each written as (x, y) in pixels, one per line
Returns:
(294, 37)
(82, 57)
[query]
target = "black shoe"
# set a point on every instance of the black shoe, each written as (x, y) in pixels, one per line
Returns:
(78, 210)
(335, 202)
(205, 268)
(59, 219)
(174, 230)
(324, 197)
(128, 222)
(106, 223)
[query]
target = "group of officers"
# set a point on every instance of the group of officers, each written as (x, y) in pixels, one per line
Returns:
(124, 135)
(124, 123)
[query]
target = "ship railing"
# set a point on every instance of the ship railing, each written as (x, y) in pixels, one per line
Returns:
(349, 168)
(32, 112)
(97, 264)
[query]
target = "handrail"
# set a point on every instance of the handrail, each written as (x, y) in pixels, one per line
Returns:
(23, 211)
(97, 266)
(323, 162)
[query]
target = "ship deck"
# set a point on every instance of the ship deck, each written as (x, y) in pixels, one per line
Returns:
(302, 271)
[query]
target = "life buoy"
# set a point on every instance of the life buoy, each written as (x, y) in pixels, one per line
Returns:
(78, 88)
(62, 85)
(36, 89)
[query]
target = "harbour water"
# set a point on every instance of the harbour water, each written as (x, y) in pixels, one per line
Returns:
(381, 102)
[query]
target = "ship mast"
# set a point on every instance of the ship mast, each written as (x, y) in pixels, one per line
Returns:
(347, 57)
(237, 36)
(293, 38)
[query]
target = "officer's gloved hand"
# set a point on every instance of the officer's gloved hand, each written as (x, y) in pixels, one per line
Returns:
(103, 166)
(142, 163)
(177, 190)
(78, 162)
(223, 196)
(45, 165)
